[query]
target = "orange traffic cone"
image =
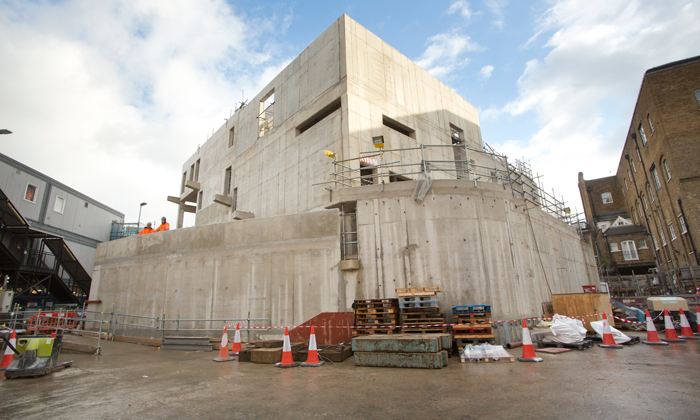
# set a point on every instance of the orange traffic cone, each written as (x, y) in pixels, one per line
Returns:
(9, 354)
(670, 332)
(686, 331)
(312, 359)
(652, 335)
(528, 349)
(236, 341)
(697, 315)
(608, 340)
(287, 360)
(223, 351)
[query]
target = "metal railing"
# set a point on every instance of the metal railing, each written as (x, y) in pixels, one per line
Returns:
(124, 230)
(449, 161)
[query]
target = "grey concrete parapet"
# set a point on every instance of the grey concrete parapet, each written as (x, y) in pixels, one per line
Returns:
(242, 215)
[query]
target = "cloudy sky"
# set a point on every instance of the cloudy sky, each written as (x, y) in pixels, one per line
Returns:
(112, 96)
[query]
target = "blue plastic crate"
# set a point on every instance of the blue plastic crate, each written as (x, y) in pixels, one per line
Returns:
(471, 309)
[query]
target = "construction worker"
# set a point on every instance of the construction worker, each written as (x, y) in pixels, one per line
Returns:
(148, 229)
(163, 225)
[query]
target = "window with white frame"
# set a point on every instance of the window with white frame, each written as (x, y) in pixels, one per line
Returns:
(639, 210)
(668, 170)
(626, 187)
(651, 125)
(644, 200)
(672, 231)
(639, 156)
(629, 252)
(651, 195)
(629, 174)
(641, 134)
(643, 244)
(636, 220)
(657, 181)
(697, 96)
(656, 242)
(607, 198)
(634, 168)
(59, 204)
(613, 247)
(663, 237)
(681, 222)
(30, 193)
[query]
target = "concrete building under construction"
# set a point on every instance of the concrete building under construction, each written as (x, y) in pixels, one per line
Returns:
(298, 213)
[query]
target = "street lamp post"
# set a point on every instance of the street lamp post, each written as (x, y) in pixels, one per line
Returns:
(138, 224)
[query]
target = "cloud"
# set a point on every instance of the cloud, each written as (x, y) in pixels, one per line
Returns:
(462, 7)
(583, 92)
(445, 53)
(111, 97)
(485, 72)
(497, 7)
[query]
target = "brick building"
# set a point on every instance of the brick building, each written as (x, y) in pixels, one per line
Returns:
(657, 185)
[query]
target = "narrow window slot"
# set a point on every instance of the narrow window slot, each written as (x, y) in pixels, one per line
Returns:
(319, 116)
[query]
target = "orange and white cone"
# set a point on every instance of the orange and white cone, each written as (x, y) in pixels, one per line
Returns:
(697, 318)
(608, 339)
(223, 351)
(652, 335)
(236, 342)
(312, 359)
(9, 354)
(686, 331)
(287, 359)
(670, 333)
(528, 349)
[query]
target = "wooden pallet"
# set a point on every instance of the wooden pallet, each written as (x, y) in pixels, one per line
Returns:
(378, 316)
(419, 304)
(381, 310)
(377, 322)
(418, 291)
(424, 321)
(489, 359)
(472, 329)
(356, 333)
(472, 318)
(428, 330)
(375, 301)
(421, 315)
(420, 310)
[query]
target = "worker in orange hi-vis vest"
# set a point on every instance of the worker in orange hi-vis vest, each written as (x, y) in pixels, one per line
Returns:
(163, 225)
(148, 229)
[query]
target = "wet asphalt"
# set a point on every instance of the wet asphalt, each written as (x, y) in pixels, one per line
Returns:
(130, 381)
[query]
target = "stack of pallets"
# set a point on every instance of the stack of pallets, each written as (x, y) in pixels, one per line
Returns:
(473, 325)
(380, 313)
(402, 350)
(419, 308)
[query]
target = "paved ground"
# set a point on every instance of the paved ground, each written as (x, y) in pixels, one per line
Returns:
(135, 382)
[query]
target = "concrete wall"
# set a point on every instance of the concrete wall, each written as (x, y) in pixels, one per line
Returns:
(281, 268)
(475, 242)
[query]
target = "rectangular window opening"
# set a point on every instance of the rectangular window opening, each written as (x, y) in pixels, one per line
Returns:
(397, 178)
(651, 125)
(460, 154)
(397, 126)
(227, 181)
(231, 137)
(30, 193)
(266, 117)
(59, 205)
(192, 172)
(367, 176)
(681, 222)
(613, 247)
(672, 231)
(235, 199)
(200, 198)
(663, 237)
(319, 116)
(629, 252)
(641, 134)
(184, 179)
(607, 198)
(196, 170)
(643, 244)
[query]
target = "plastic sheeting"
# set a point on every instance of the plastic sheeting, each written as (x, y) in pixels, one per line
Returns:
(619, 337)
(566, 330)
(482, 351)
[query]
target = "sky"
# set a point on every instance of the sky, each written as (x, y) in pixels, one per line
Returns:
(111, 97)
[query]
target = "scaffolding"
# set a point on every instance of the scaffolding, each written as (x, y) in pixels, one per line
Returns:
(451, 161)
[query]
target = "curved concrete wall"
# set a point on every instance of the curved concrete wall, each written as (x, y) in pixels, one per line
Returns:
(477, 243)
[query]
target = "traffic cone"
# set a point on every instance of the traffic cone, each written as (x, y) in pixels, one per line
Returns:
(223, 351)
(9, 354)
(686, 331)
(608, 340)
(528, 349)
(287, 360)
(670, 332)
(236, 341)
(312, 359)
(652, 335)
(697, 314)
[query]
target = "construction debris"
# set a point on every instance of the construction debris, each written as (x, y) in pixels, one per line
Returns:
(428, 351)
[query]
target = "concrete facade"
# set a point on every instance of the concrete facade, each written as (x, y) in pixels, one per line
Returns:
(57, 209)
(471, 232)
